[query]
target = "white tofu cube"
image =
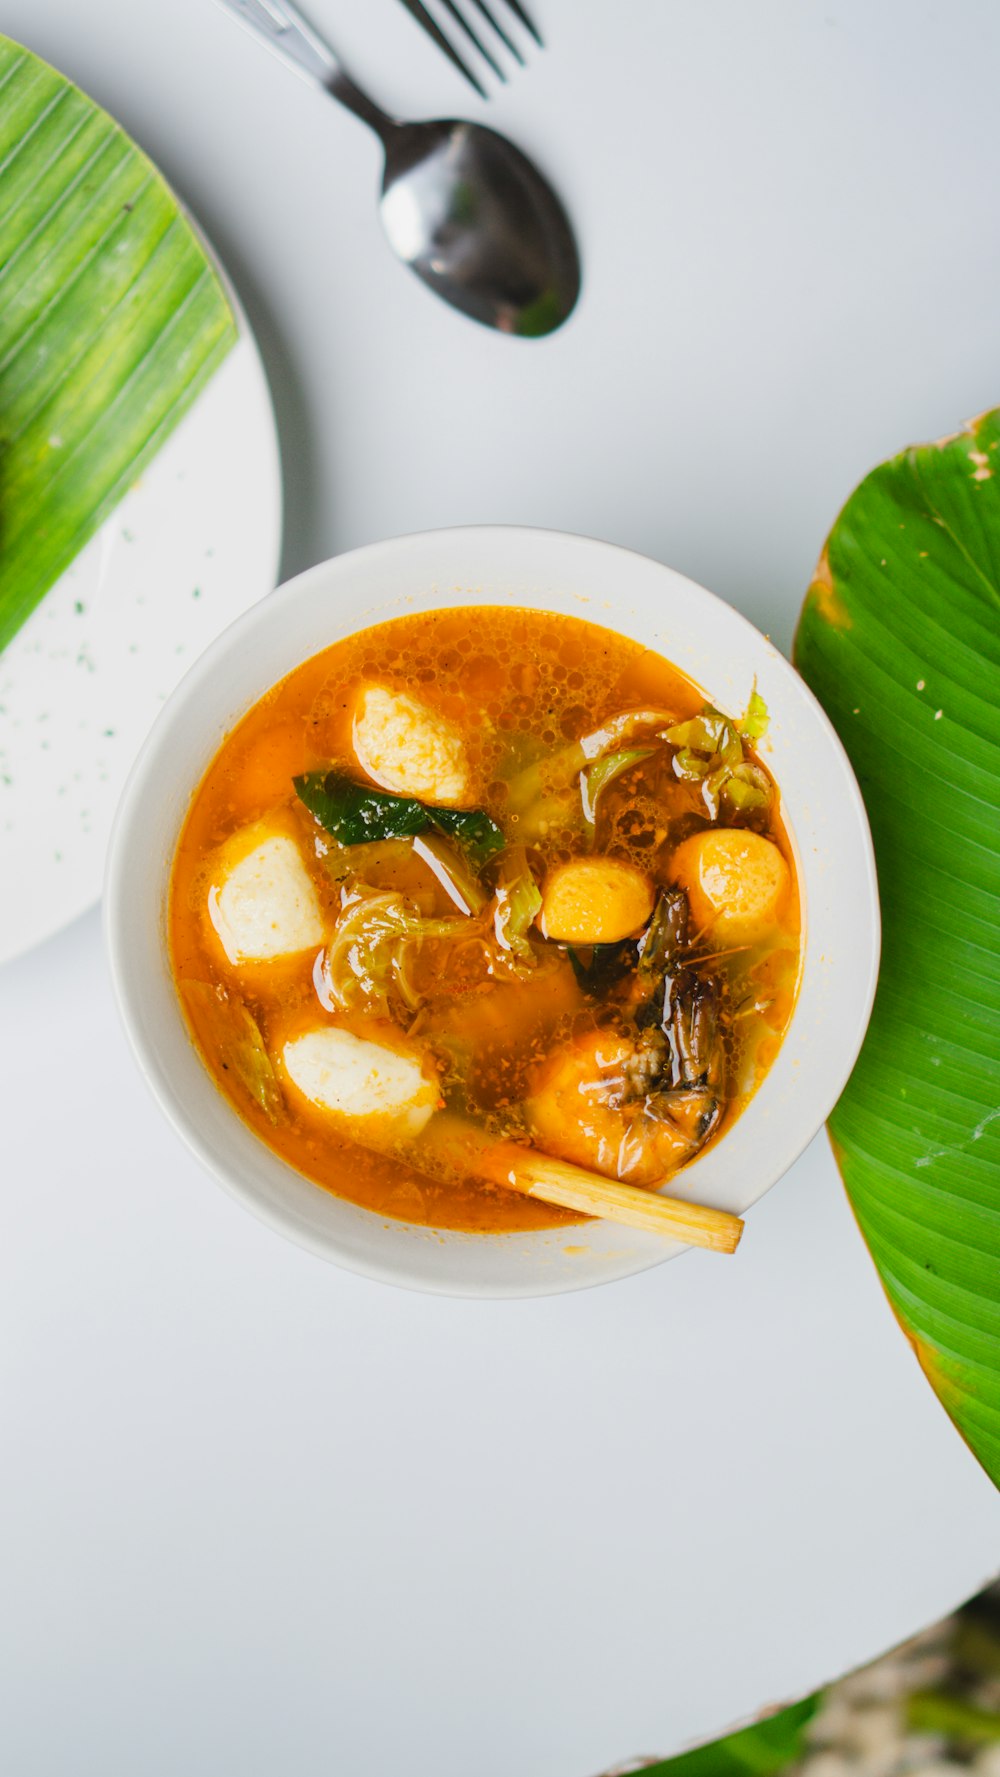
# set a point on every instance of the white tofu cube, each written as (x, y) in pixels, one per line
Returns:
(406, 748)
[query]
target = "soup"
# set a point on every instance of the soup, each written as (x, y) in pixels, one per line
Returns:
(484, 883)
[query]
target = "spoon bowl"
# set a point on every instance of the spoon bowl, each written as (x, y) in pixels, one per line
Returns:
(477, 222)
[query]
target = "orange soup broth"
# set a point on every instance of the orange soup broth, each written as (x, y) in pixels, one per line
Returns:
(512, 682)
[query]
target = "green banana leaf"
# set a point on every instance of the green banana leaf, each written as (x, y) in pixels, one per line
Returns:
(900, 640)
(111, 321)
(762, 1750)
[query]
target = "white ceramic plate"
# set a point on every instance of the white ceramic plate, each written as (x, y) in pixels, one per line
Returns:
(724, 654)
(188, 549)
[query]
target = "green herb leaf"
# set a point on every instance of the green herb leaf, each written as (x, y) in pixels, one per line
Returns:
(900, 642)
(477, 834)
(355, 814)
(111, 322)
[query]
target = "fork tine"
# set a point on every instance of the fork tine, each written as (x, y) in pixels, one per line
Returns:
(518, 10)
(473, 37)
(493, 21)
(433, 29)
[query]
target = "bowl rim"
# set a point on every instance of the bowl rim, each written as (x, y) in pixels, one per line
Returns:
(147, 764)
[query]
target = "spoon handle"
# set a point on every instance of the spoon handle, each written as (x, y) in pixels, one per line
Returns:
(280, 25)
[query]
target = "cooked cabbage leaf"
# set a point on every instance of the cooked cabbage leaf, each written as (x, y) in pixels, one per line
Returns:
(710, 752)
(235, 1035)
(704, 743)
(745, 790)
(597, 776)
(757, 718)
(516, 904)
(367, 962)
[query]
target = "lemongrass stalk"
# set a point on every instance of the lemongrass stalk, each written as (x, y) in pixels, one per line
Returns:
(463, 1146)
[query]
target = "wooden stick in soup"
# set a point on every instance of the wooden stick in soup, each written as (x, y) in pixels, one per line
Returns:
(556, 1181)
(573, 1187)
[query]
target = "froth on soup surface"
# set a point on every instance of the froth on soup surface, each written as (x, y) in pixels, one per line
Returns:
(480, 876)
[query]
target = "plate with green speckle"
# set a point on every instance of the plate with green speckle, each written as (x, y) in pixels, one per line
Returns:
(192, 544)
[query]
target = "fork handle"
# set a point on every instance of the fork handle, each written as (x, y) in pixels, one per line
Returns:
(280, 25)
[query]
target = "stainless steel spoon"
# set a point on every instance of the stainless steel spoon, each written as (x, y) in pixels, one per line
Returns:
(464, 208)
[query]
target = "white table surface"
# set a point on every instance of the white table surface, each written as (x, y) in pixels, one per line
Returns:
(259, 1516)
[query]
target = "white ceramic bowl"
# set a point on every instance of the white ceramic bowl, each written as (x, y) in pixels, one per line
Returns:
(709, 641)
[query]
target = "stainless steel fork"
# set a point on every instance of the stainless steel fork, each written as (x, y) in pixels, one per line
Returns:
(490, 34)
